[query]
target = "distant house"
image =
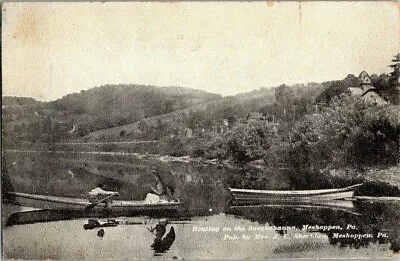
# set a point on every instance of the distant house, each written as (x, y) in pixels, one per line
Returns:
(266, 119)
(270, 119)
(367, 91)
(365, 78)
(255, 116)
(220, 127)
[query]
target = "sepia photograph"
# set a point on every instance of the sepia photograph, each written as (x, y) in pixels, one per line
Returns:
(217, 130)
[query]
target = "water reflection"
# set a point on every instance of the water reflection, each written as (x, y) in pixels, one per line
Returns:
(203, 194)
(100, 233)
(71, 175)
(202, 238)
(161, 243)
(298, 228)
(372, 223)
(17, 217)
(95, 223)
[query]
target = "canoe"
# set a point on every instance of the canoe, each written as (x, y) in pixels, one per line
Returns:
(65, 203)
(294, 195)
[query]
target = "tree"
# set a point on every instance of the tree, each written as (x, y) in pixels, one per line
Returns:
(248, 142)
(284, 97)
(272, 110)
(348, 133)
(324, 138)
(335, 89)
(383, 86)
(351, 81)
(378, 141)
(394, 80)
(395, 74)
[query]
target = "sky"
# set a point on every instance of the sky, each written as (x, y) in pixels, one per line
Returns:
(53, 49)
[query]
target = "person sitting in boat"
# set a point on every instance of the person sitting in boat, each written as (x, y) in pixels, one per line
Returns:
(99, 193)
(161, 193)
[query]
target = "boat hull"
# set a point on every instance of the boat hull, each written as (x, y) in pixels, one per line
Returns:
(337, 205)
(293, 196)
(64, 203)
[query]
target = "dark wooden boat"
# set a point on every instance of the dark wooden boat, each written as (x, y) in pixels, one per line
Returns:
(81, 204)
(293, 195)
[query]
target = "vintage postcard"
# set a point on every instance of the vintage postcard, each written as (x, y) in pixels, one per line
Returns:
(200, 130)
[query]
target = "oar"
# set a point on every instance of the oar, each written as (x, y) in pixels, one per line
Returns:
(99, 201)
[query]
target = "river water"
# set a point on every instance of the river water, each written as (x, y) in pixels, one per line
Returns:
(207, 226)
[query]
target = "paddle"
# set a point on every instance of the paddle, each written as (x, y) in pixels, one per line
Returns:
(100, 201)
